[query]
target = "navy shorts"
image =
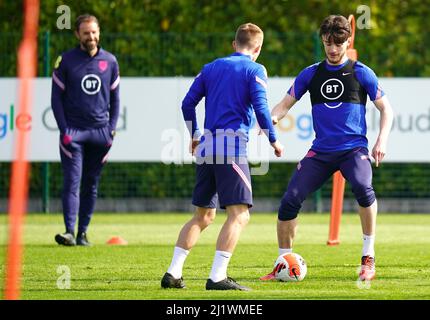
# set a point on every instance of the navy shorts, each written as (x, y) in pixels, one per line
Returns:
(228, 182)
(317, 167)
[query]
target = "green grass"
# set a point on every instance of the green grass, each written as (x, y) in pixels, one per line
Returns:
(134, 271)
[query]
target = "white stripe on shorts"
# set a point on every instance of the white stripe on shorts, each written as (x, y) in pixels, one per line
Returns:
(242, 175)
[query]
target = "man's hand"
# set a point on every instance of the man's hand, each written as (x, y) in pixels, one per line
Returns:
(193, 146)
(274, 122)
(66, 138)
(279, 148)
(386, 121)
(378, 151)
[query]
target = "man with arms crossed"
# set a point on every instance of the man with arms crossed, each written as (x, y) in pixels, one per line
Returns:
(338, 89)
(234, 87)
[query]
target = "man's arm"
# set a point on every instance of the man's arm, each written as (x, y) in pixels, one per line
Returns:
(58, 89)
(294, 94)
(385, 123)
(282, 108)
(114, 98)
(258, 95)
(369, 81)
(189, 104)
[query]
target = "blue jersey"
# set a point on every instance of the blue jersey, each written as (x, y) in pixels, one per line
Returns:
(85, 90)
(339, 118)
(234, 87)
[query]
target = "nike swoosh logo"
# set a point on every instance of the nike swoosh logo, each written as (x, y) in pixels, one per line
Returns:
(345, 74)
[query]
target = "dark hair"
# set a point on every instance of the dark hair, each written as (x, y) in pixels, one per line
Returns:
(336, 28)
(85, 18)
(249, 35)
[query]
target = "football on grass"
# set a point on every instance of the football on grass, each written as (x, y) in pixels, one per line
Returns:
(290, 267)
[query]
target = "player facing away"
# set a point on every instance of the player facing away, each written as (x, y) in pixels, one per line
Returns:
(338, 90)
(85, 102)
(234, 88)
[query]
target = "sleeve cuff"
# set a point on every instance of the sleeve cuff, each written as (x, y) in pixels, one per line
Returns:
(272, 138)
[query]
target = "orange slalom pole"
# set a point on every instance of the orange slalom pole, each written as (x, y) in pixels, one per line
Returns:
(18, 196)
(338, 179)
(336, 208)
(351, 52)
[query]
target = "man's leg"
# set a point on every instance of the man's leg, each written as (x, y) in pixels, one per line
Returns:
(188, 237)
(368, 225)
(233, 181)
(357, 170)
(71, 162)
(368, 219)
(311, 173)
(93, 162)
(286, 231)
(205, 199)
(237, 219)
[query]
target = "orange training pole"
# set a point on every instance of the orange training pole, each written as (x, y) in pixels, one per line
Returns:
(351, 52)
(336, 208)
(27, 65)
(338, 179)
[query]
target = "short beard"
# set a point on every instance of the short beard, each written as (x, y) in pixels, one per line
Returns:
(89, 47)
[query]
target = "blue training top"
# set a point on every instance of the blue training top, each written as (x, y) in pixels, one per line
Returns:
(338, 126)
(85, 90)
(234, 87)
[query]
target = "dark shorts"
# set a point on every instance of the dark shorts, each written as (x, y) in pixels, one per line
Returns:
(317, 167)
(230, 183)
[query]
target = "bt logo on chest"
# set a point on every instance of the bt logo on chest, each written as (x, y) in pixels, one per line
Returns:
(91, 84)
(332, 89)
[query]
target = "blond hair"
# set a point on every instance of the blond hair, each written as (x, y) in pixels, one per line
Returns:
(249, 36)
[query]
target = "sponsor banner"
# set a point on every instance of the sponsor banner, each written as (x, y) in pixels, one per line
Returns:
(151, 127)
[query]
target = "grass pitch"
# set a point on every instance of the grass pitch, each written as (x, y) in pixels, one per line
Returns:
(134, 271)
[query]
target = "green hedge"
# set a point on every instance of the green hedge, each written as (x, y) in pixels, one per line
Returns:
(174, 38)
(156, 180)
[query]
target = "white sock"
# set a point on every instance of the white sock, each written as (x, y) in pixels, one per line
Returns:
(179, 256)
(368, 245)
(219, 266)
(284, 251)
